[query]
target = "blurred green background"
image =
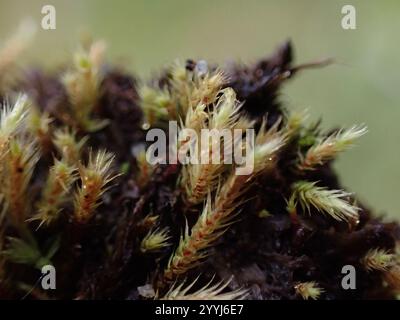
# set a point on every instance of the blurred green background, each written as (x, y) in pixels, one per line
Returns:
(363, 86)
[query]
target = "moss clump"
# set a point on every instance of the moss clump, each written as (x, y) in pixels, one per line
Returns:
(179, 231)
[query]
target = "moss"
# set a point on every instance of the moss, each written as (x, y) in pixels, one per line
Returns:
(264, 256)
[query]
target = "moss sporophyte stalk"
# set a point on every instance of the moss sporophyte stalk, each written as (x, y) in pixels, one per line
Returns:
(196, 184)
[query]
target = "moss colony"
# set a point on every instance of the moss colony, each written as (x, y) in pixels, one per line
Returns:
(77, 192)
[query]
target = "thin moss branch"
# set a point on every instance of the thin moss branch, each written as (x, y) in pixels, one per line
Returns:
(144, 169)
(155, 104)
(208, 292)
(199, 179)
(330, 202)
(82, 83)
(327, 148)
(20, 162)
(194, 86)
(39, 128)
(68, 145)
(378, 259)
(187, 88)
(94, 180)
(309, 290)
(55, 192)
(213, 220)
(11, 119)
(155, 240)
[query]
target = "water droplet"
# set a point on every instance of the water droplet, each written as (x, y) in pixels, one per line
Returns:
(201, 67)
